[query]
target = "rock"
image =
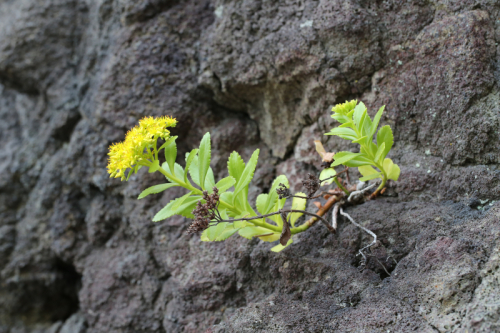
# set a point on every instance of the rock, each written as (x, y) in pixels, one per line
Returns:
(78, 251)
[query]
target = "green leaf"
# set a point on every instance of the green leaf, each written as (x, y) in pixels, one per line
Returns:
(166, 143)
(370, 177)
(327, 173)
(226, 197)
(156, 189)
(385, 135)
(279, 247)
(344, 133)
(376, 120)
(247, 174)
(379, 152)
(369, 150)
(274, 236)
(167, 211)
(153, 167)
(395, 171)
(189, 160)
(178, 171)
(261, 203)
(300, 204)
(359, 111)
(349, 124)
(228, 232)
(366, 125)
(193, 171)
(210, 181)
(235, 165)
(358, 161)
(215, 231)
(392, 170)
(204, 156)
(187, 208)
(341, 118)
(252, 231)
(180, 201)
(366, 170)
(241, 224)
(363, 138)
(343, 157)
(273, 200)
(170, 148)
(225, 183)
(240, 201)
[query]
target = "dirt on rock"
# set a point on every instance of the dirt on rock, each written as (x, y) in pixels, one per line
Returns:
(79, 253)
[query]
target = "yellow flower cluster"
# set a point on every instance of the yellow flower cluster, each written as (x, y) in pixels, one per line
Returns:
(132, 150)
(345, 108)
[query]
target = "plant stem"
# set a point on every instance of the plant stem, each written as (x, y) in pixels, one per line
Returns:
(231, 207)
(315, 216)
(384, 180)
(341, 186)
(322, 211)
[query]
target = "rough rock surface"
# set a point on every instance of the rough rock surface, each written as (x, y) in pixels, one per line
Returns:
(79, 253)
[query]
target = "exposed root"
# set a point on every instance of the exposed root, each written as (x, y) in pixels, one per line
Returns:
(366, 230)
(356, 195)
(335, 213)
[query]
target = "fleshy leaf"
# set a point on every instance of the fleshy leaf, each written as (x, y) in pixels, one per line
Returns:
(370, 177)
(178, 171)
(385, 135)
(274, 203)
(358, 161)
(279, 247)
(235, 165)
(180, 201)
(395, 171)
(204, 156)
(247, 174)
(215, 231)
(194, 172)
(380, 151)
(327, 173)
(210, 181)
(361, 139)
(300, 204)
(270, 237)
(224, 184)
(261, 203)
(366, 124)
(343, 157)
(189, 160)
(154, 166)
(376, 120)
(344, 133)
(170, 148)
(366, 170)
(359, 111)
(250, 232)
(156, 189)
(391, 169)
(167, 211)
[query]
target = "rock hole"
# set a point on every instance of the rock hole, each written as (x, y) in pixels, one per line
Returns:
(45, 296)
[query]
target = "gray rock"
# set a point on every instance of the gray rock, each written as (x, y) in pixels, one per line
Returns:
(79, 253)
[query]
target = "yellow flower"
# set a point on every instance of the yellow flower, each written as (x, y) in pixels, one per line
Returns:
(135, 149)
(345, 108)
